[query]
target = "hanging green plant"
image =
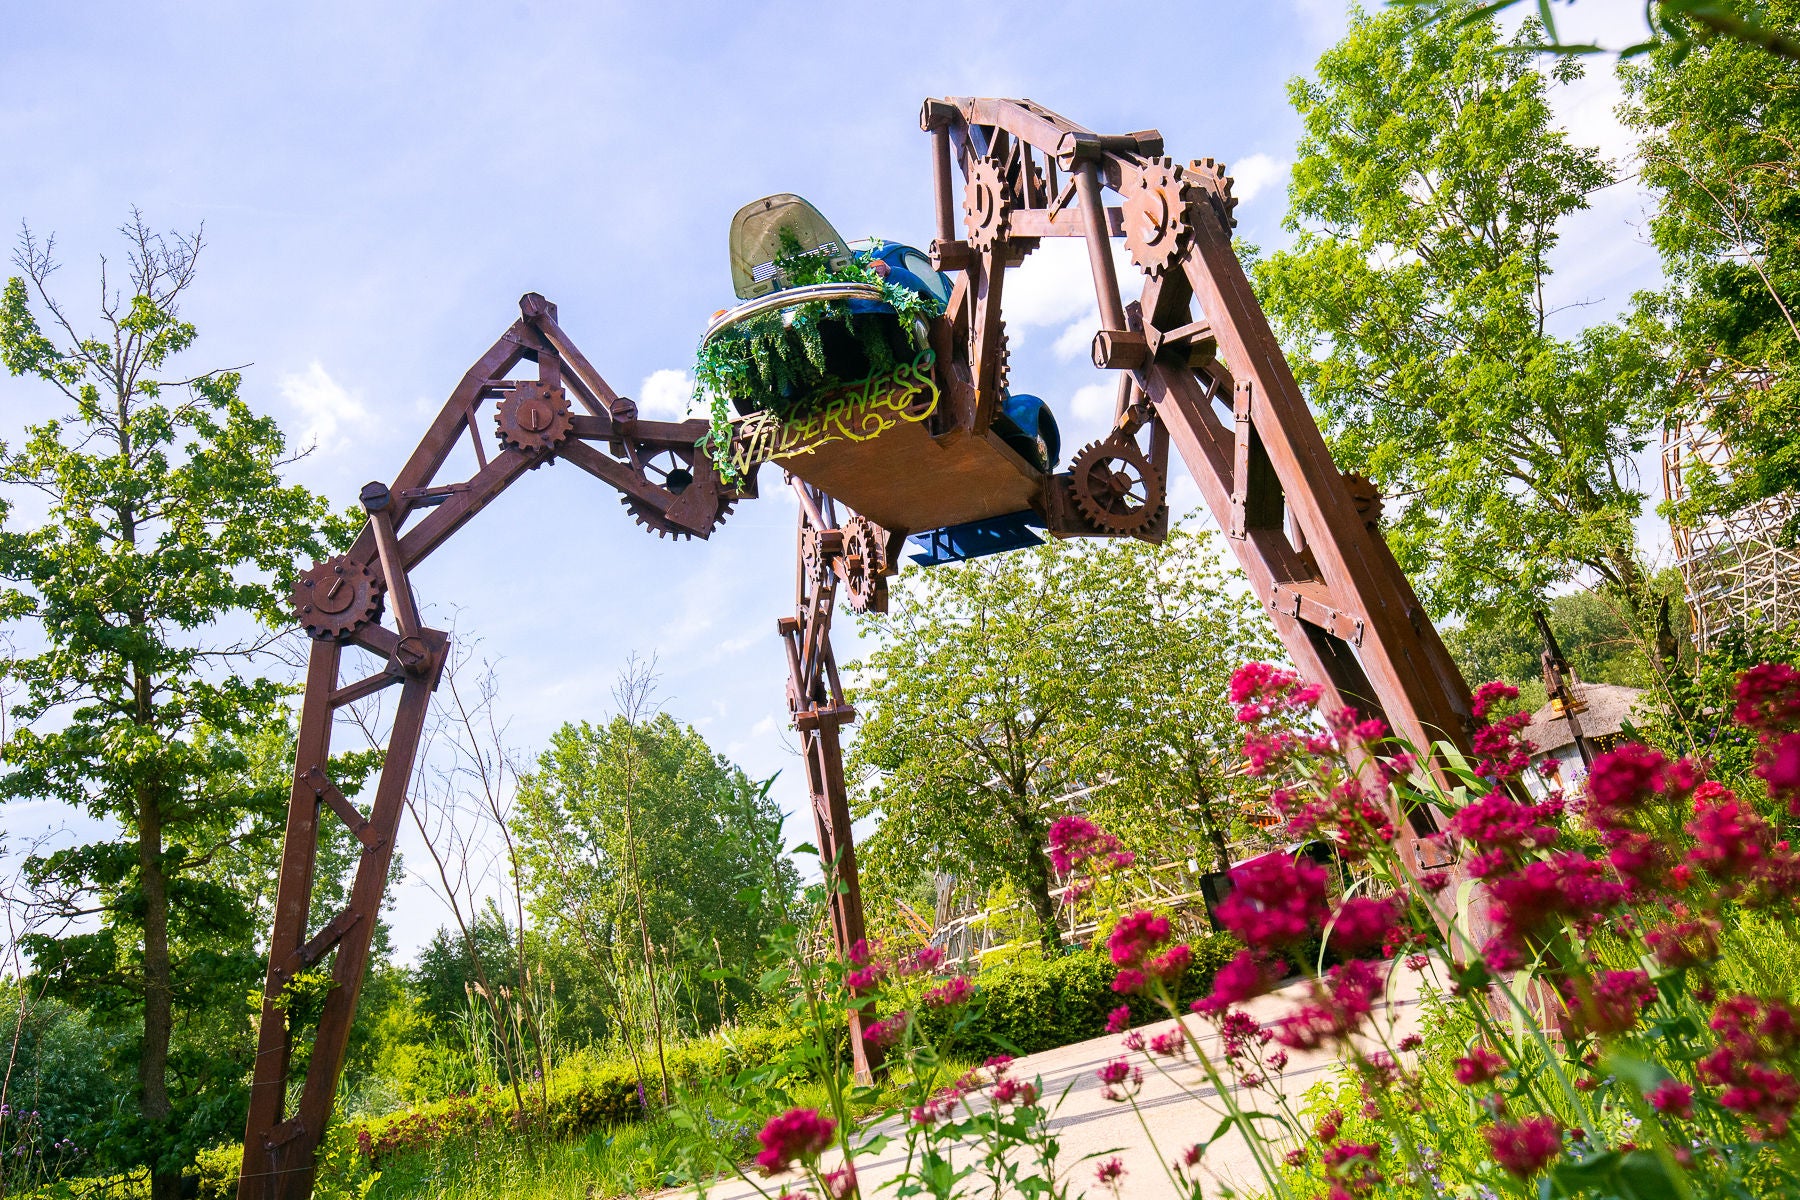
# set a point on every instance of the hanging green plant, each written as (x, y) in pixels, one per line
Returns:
(781, 361)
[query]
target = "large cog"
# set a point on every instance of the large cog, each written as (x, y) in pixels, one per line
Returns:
(1156, 216)
(986, 200)
(335, 598)
(1116, 488)
(652, 519)
(533, 417)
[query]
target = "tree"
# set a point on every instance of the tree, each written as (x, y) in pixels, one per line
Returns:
(166, 519)
(1426, 200)
(707, 843)
(1003, 684)
(1720, 130)
(1175, 738)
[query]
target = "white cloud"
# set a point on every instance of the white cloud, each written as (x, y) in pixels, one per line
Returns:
(1054, 284)
(1253, 173)
(665, 394)
(1094, 402)
(328, 412)
(1077, 340)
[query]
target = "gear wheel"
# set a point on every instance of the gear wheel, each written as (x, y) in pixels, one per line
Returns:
(335, 598)
(651, 519)
(1116, 488)
(533, 417)
(815, 557)
(672, 469)
(1366, 496)
(865, 565)
(1210, 175)
(985, 204)
(1156, 220)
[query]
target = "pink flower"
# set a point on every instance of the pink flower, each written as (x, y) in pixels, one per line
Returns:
(1497, 821)
(1171, 1044)
(950, 993)
(840, 1184)
(928, 959)
(1613, 1003)
(1780, 769)
(800, 1133)
(1135, 936)
(1411, 1041)
(860, 955)
(1491, 692)
(1362, 925)
(1731, 840)
(863, 980)
(1481, 1066)
(1524, 1147)
(1076, 840)
(1274, 901)
(1673, 1098)
(998, 1064)
(1261, 690)
(1352, 1165)
(1110, 1172)
(1768, 698)
(1526, 903)
(888, 1031)
(1118, 1019)
(1015, 1091)
(1757, 1038)
(1129, 981)
(1241, 979)
(1500, 753)
(1337, 1009)
(1121, 1080)
(1684, 943)
(1171, 964)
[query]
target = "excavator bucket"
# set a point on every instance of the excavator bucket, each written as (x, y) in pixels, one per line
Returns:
(756, 241)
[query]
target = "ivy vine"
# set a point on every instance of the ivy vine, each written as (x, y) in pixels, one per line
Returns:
(777, 359)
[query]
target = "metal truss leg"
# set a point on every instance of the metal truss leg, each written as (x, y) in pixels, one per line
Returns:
(281, 1147)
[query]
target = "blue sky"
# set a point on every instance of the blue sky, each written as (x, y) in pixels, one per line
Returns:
(381, 181)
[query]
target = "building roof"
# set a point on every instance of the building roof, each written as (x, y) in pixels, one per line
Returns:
(1607, 707)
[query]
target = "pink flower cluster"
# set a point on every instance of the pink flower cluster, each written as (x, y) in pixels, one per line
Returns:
(798, 1135)
(1275, 901)
(1261, 690)
(1500, 753)
(1755, 1060)
(1524, 1147)
(1768, 701)
(1134, 943)
(1077, 842)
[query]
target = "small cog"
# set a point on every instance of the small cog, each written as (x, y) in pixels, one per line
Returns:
(985, 203)
(1210, 175)
(533, 417)
(865, 565)
(1365, 496)
(1116, 488)
(1156, 216)
(335, 598)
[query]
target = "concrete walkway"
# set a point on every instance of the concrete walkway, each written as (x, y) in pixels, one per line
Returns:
(1179, 1108)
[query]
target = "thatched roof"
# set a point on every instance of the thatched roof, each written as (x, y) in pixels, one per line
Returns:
(1608, 705)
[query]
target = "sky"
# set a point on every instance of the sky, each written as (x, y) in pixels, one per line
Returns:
(380, 182)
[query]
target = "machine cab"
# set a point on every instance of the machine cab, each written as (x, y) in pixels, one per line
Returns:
(841, 365)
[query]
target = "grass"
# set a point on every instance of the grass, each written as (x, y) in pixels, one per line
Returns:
(622, 1160)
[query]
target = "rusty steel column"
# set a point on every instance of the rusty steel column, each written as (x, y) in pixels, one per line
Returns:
(816, 700)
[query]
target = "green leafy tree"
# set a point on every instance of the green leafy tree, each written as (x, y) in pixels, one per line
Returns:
(1426, 200)
(166, 523)
(708, 866)
(1174, 737)
(1003, 685)
(1720, 143)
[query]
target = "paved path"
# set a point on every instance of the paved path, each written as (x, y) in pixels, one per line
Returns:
(1179, 1109)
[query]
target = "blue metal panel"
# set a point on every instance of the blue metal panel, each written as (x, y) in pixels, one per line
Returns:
(996, 535)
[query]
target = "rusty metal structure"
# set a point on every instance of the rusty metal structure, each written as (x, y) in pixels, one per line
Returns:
(1198, 371)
